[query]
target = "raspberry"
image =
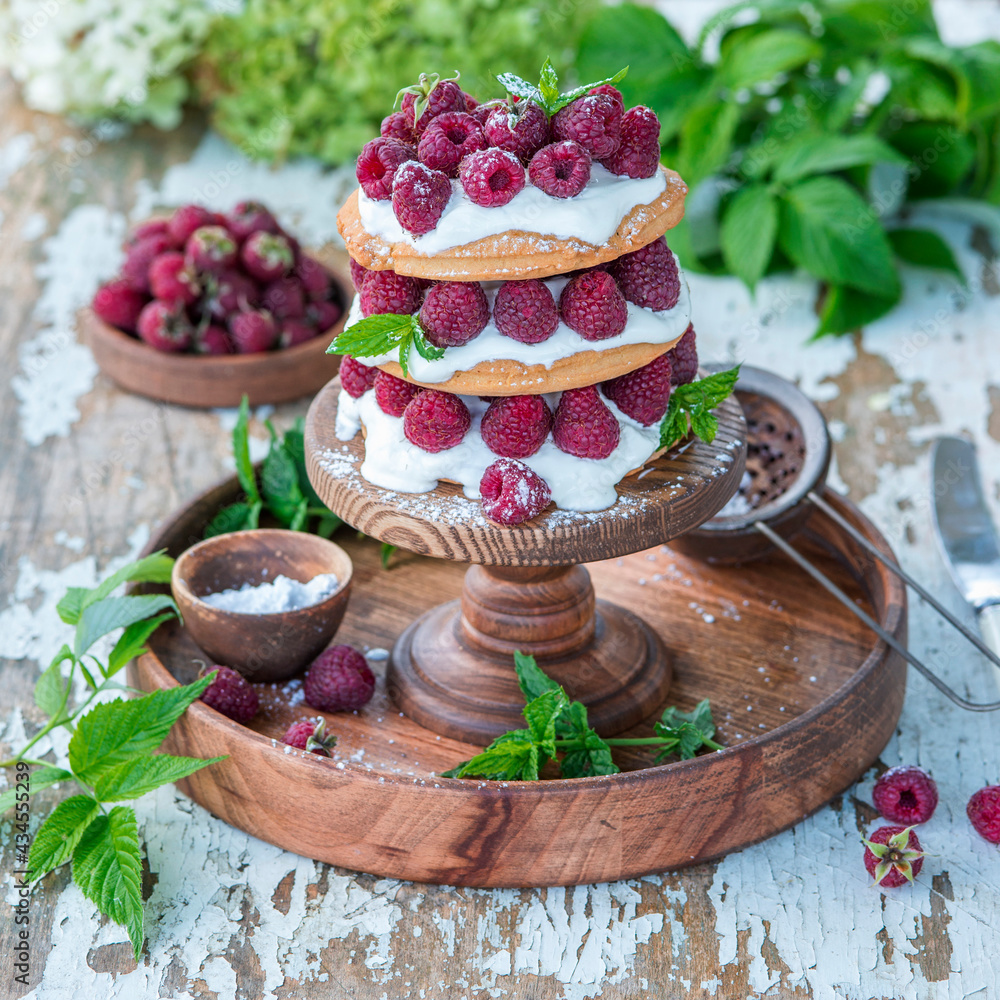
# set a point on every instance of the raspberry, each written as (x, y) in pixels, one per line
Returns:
(358, 272)
(594, 121)
(648, 276)
(165, 327)
(436, 421)
(447, 139)
(522, 128)
(525, 311)
(323, 315)
(905, 795)
(388, 292)
(338, 680)
(212, 340)
(583, 425)
(441, 98)
(151, 227)
(210, 249)
(983, 811)
(481, 112)
(491, 177)
(253, 331)
(293, 332)
(419, 197)
(684, 358)
(893, 856)
(228, 293)
(399, 126)
(119, 304)
(311, 735)
(314, 277)
(638, 154)
(135, 269)
(454, 312)
(512, 493)
(393, 394)
(357, 378)
(470, 102)
(267, 256)
(644, 393)
(516, 426)
(593, 305)
(285, 299)
(250, 217)
(187, 219)
(172, 280)
(231, 694)
(378, 162)
(609, 91)
(561, 169)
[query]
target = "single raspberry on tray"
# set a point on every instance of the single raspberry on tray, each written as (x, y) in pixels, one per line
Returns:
(684, 358)
(648, 276)
(594, 121)
(893, 856)
(642, 394)
(231, 694)
(512, 493)
(983, 811)
(583, 425)
(447, 139)
(357, 378)
(905, 795)
(119, 304)
(560, 169)
(436, 421)
(516, 426)
(454, 312)
(491, 177)
(525, 311)
(419, 197)
(311, 735)
(521, 128)
(393, 394)
(638, 154)
(388, 292)
(592, 304)
(338, 680)
(377, 164)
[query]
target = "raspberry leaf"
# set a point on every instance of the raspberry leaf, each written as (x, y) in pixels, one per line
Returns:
(133, 641)
(153, 568)
(116, 612)
(43, 777)
(60, 833)
(748, 232)
(924, 248)
(691, 406)
(821, 154)
(51, 688)
(143, 774)
(846, 309)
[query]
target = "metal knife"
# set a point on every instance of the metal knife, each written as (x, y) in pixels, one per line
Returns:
(966, 532)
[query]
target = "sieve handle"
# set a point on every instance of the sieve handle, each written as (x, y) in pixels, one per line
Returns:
(989, 625)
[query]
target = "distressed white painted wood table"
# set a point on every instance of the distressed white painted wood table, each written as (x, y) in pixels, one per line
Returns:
(85, 470)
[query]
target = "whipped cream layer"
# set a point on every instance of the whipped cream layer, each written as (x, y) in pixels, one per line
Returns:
(644, 326)
(578, 484)
(592, 216)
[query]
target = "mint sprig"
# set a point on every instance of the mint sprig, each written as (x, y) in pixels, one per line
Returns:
(558, 730)
(691, 407)
(376, 335)
(547, 94)
(112, 746)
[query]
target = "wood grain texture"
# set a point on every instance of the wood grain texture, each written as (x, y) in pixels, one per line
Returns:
(673, 494)
(514, 254)
(377, 817)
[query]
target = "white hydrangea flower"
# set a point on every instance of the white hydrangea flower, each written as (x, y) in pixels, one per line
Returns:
(103, 58)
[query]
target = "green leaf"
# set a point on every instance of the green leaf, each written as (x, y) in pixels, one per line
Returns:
(514, 84)
(541, 714)
(327, 525)
(298, 522)
(571, 95)
(253, 515)
(113, 733)
(107, 866)
(548, 83)
(940, 156)
(133, 641)
(279, 483)
(748, 231)
(50, 689)
(143, 774)
(823, 154)
(386, 553)
(594, 758)
(41, 778)
(876, 24)
(153, 568)
(241, 452)
(693, 403)
(60, 833)
(766, 55)
(829, 230)
(846, 310)
(706, 139)
(530, 677)
(116, 612)
(511, 757)
(382, 333)
(686, 732)
(231, 518)
(295, 445)
(924, 248)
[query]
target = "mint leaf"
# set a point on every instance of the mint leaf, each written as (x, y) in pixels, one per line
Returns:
(382, 333)
(532, 681)
(386, 553)
(748, 231)
(691, 405)
(547, 94)
(241, 453)
(571, 95)
(514, 84)
(154, 568)
(133, 641)
(50, 689)
(116, 612)
(58, 836)
(593, 758)
(113, 733)
(143, 774)
(827, 228)
(107, 866)
(822, 154)
(548, 83)
(511, 757)
(279, 482)
(846, 310)
(541, 714)
(295, 445)
(235, 517)
(686, 733)
(41, 778)
(924, 248)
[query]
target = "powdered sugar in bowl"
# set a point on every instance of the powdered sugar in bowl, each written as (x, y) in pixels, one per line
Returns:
(265, 602)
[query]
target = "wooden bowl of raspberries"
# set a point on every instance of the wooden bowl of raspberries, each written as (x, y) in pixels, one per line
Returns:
(208, 307)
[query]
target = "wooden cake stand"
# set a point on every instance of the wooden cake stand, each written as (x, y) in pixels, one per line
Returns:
(451, 670)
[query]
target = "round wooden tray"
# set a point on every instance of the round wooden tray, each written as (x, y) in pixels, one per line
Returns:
(191, 380)
(805, 698)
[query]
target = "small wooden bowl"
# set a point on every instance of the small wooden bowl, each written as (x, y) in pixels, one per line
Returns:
(263, 647)
(202, 382)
